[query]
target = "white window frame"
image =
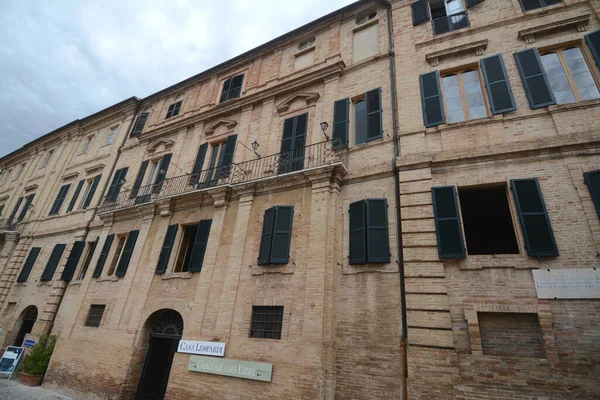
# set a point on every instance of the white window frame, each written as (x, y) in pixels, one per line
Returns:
(111, 135)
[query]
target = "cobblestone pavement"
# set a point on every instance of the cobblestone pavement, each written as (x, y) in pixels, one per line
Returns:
(13, 390)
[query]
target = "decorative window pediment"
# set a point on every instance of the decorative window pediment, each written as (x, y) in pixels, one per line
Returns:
(477, 48)
(94, 168)
(309, 98)
(229, 124)
(31, 188)
(579, 23)
(160, 146)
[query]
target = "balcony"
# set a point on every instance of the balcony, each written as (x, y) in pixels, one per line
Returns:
(6, 225)
(450, 23)
(286, 163)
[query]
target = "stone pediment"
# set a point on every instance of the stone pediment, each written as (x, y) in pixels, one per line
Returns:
(160, 146)
(308, 98)
(228, 123)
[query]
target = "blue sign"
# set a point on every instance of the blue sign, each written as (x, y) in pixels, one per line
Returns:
(28, 343)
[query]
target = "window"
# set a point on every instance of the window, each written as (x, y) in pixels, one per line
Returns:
(367, 117)
(29, 263)
(447, 16)
(90, 191)
(140, 123)
(215, 161)
(117, 255)
(60, 198)
(46, 159)
(533, 4)
(116, 184)
(369, 237)
(5, 174)
(276, 236)
(26, 207)
(53, 262)
(87, 142)
(72, 261)
(365, 17)
(569, 75)
(111, 136)
(95, 315)
(481, 209)
(463, 96)
(232, 88)
(592, 180)
(267, 322)
(193, 243)
(185, 249)
(175, 108)
(365, 42)
(306, 44)
(511, 334)
(20, 169)
(1, 209)
(91, 248)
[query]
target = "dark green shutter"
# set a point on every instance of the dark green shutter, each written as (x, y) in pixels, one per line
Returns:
(14, 211)
(592, 180)
(374, 123)
(88, 258)
(229, 150)
(282, 235)
(29, 263)
(60, 198)
(117, 183)
(341, 122)
(358, 232)
(90, 196)
(378, 244)
(75, 195)
(431, 98)
(264, 253)
(163, 168)
(139, 179)
(28, 201)
(103, 255)
(471, 3)
(140, 123)
(420, 12)
(447, 222)
(200, 242)
(225, 92)
(72, 261)
(534, 78)
(497, 85)
(167, 247)
(537, 230)
(53, 262)
(195, 178)
(127, 252)
(236, 86)
(593, 42)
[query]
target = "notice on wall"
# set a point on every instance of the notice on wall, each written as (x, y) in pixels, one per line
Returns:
(202, 348)
(10, 359)
(576, 283)
(28, 343)
(234, 368)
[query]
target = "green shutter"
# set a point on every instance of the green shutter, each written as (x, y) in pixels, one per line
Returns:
(228, 153)
(225, 92)
(167, 247)
(431, 99)
(282, 235)
(200, 244)
(29, 263)
(92, 191)
(88, 258)
(447, 222)
(374, 122)
(471, 3)
(14, 211)
(420, 12)
(139, 179)
(117, 183)
(341, 122)
(534, 78)
(378, 243)
(497, 85)
(140, 123)
(60, 198)
(592, 180)
(72, 261)
(53, 262)
(28, 201)
(593, 42)
(200, 157)
(103, 255)
(358, 232)
(127, 252)
(75, 195)
(537, 230)
(236, 86)
(264, 253)
(163, 168)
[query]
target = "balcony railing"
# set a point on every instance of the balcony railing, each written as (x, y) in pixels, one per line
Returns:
(11, 226)
(450, 23)
(312, 156)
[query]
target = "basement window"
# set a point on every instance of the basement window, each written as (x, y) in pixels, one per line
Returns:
(487, 221)
(511, 334)
(267, 322)
(95, 315)
(185, 250)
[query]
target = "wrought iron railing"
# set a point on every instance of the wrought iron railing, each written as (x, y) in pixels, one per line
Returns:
(12, 226)
(312, 156)
(450, 23)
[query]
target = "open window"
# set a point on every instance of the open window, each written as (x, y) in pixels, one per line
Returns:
(185, 249)
(175, 108)
(448, 16)
(117, 254)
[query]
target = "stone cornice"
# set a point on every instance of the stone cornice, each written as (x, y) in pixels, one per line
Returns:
(579, 23)
(478, 48)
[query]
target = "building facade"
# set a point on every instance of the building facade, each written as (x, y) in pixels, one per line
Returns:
(364, 207)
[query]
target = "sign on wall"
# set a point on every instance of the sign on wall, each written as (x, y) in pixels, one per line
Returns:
(575, 283)
(10, 359)
(235, 368)
(203, 348)
(28, 343)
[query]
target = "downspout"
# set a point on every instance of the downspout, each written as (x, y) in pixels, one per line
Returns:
(399, 242)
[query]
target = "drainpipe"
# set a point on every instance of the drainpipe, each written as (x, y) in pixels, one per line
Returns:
(399, 243)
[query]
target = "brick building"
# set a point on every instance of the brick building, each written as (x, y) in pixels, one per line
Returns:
(390, 174)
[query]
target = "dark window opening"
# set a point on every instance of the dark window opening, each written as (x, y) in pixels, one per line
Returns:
(267, 322)
(487, 221)
(448, 16)
(533, 4)
(174, 109)
(232, 88)
(185, 250)
(95, 315)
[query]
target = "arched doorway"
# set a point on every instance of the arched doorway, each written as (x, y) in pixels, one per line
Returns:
(164, 328)
(30, 315)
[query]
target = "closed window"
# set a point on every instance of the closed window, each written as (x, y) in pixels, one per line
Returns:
(367, 117)
(60, 199)
(95, 314)
(29, 263)
(365, 42)
(111, 135)
(533, 4)
(448, 16)
(19, 171)
(46, 159)
(87, 142)
(186, 248)
(232, 88)
(365, 17)
(276, 236)
(592, 181)
(175, 108)
(267, 322)
(140, 123)
(463, 96)
(117, 255)
(369, 237)
(53, 262)
(90, 190)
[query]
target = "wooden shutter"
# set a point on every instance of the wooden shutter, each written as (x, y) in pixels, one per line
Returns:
(163, 168)
(75, 195)
(72, 261)
(29, 263)
(420, 12)
(139, 179)
(497, 85)
(115, 186)
(593, 42)
(358, 232)
(60, 198)
(167, 247)
(236, 87)
(92, 191)
(282, 235)
(28, 201)
(431, 98)
(264, 253)
(103, 255)
(200, 242)
(14, 211)
(592, 180)
(195, 178)
(53, 262)
(378, 244)
(471, 3)
(225, 92)
(447, 222)
(341, 122)
(140, 123)
(537, 230)
(534, 78)
(374, 123)
(127, 252)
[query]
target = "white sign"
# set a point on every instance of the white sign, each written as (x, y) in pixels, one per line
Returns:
(235, 368)
(575, 283)
(203, 348)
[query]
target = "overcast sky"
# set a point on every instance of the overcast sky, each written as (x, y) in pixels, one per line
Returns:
(63, 60)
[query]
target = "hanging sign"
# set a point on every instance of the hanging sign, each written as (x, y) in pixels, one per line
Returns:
(235, 368)
(10, 359)
(202, 348)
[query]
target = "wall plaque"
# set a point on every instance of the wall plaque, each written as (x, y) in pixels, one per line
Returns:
(575, 283)
(202, 348)
(234, 368)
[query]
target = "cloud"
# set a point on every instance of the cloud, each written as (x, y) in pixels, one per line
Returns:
(63, 60)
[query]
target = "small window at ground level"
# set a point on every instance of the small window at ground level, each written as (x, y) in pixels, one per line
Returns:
(95, 315)
(267, 322)
(487, 221)
(117, 255)
(511, 334)
(185, 250)
(528, 5)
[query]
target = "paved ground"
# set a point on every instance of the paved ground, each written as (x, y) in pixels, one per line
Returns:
(13, 390)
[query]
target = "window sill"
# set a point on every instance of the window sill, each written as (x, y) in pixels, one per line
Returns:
(304, 51)
(516, 261)
(176, 275)
(45, 283)
(573, 106)
(374, 21)
(372, 142)
(21, 284)
(76, 283)
(471, 122)
(274, 268)
(107, 279)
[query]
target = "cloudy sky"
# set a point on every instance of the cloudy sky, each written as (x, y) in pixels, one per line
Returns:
(63, 60)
